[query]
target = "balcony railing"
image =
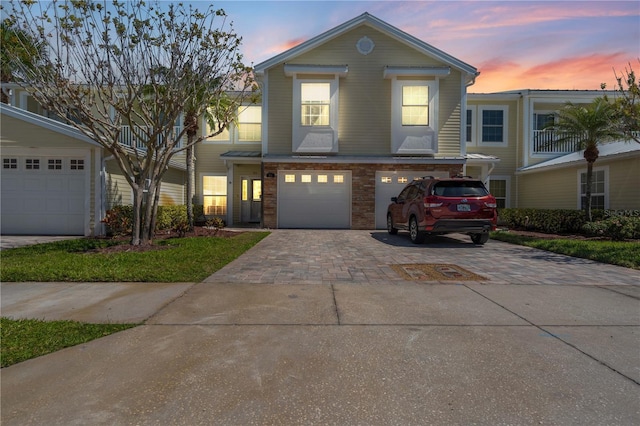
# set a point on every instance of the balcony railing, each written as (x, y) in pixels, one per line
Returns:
(128, 138)
(550, 142)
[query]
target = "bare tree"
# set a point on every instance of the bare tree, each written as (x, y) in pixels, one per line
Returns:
(627, 102)
(135, 65)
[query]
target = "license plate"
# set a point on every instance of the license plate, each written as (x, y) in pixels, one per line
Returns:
(464, 208)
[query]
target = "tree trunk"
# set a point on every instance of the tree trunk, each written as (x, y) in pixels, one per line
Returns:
(587, 203)
(137, 214)
(190, 183)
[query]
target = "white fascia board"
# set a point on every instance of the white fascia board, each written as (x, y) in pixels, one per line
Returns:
(291, 70)
(393, 72)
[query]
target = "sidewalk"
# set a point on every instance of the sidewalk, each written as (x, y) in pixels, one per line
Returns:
(325, 338)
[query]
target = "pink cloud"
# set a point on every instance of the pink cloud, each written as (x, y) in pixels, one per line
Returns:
(585, 72)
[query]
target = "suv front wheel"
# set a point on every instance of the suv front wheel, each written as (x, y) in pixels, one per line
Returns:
(417, 236)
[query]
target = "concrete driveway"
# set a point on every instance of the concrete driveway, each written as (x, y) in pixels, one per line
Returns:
(346, 327)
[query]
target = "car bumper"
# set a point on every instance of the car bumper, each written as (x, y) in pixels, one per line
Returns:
(472, 226)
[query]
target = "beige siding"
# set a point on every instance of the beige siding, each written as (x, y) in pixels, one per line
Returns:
(172, 191)
(558, 189)
(365, 96)
(553, 189)
(624, 184)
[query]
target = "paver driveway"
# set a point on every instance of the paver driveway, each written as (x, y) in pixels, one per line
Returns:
(319, 327)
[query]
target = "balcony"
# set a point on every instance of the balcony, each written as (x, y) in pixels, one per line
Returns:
(547, 142)
(128, 138)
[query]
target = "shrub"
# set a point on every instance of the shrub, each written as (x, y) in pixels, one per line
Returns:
(543, 220)
(215, 222)
(617, 228)
(119, 220)
(170, 217)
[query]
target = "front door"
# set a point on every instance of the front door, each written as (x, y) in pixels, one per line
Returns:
(251, 206)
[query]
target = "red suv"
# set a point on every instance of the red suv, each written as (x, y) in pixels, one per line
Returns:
(443, 205)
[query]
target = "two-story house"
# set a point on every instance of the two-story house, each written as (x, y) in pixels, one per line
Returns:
(346, 119)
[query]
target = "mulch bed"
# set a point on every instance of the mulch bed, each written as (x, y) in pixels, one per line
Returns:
(126, 247)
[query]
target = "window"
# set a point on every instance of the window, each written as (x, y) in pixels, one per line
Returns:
(54, 164)
(315, 115)
(223, 136)
(9, 163)
(76, 164)
(338, 179)
(413, 116)
(415, 105)
(403, 179)
(214, 194)
(305, 178)
(315, 104)
(385, 179)
(322, 179)
(250, 124)
(498, 189)
(493, 125)
(32, 164)
(543, 120)
(290, 178)
(598, 190)
(469, 127)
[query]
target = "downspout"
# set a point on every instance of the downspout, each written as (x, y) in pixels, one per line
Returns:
(519, 136)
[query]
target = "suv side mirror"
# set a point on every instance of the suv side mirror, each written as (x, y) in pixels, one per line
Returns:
(394, 199)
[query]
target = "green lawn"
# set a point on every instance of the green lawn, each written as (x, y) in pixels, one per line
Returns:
(620, 253)
(29, 338)
(186, 260)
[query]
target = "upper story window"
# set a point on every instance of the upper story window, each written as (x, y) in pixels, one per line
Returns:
(470, 126)
(413, 116)
(493, 125)
(415, 105)
(250, 124)
(541, 121)
(315, 102)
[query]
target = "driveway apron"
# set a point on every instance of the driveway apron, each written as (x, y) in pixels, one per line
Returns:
(360, 327)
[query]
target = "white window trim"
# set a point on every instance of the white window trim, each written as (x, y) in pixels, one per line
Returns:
(507, 179)
(606, 186)
(228, 195)
(505, 127)
(226, 141)
(474, 124)
(300, 133)
(400, 134)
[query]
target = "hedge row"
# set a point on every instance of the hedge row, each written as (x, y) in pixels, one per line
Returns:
(615, 224)
(119, 219)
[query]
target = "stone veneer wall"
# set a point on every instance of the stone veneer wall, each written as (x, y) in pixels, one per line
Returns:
(363, 180)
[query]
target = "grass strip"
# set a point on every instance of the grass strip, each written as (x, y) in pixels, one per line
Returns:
(24, 339)
(189, 259)
(621, 253)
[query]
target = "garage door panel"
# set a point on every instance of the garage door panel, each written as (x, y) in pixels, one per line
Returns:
(314, 204)
(43, 202)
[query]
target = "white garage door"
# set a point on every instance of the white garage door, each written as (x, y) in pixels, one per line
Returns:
(43, 195)
(389, 184)
(314, 199)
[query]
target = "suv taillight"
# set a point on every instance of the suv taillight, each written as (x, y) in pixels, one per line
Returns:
(431, 201)
(491, 205)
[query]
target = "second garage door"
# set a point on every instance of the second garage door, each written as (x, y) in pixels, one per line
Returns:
(314, 199)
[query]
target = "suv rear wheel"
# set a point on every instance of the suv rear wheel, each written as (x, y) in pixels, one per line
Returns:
(480, 238)
(390, 229)
(417, 236)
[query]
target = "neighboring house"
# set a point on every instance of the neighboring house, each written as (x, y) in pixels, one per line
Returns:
(534, 171)
(347, 119)
(55, 180)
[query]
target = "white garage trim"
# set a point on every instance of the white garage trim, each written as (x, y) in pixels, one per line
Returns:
(314, 199)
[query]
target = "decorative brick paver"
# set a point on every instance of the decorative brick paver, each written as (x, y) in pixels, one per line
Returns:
(366, 257)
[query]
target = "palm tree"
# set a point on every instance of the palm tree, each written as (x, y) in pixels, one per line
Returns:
(589, 126)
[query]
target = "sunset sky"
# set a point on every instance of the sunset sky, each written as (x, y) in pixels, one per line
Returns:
(514, 44)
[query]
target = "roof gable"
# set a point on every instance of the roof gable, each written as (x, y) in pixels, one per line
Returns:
(45, 123)
(372, 21)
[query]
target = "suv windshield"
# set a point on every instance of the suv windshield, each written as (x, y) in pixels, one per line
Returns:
(460, 189)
